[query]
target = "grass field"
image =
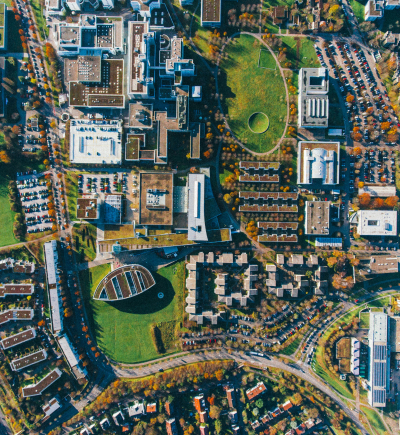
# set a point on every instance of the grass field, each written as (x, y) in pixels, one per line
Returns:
(122, 329)
(118, 231)
(300, 52)
(374, 420)
(247, 89)
(266, 60)
(292, 347)
(359, 10)
(364, 320)
(42, 28)
(84, 241)
(6, 215)
(71, 188)
(258, 122)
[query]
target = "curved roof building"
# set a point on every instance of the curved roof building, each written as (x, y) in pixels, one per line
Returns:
(123, 283)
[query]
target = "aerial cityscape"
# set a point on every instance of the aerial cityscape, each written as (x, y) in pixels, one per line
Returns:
(199, 229)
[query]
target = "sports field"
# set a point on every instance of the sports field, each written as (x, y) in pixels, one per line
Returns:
(122, 329)
(248, 89)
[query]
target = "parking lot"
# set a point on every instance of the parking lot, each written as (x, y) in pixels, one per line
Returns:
(112, 183)
(34, 200)
(367, 111)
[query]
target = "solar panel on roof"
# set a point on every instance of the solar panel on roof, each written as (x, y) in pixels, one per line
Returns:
(379, 396)
(379, 373)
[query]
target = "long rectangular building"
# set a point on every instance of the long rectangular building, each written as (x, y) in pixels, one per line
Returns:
(28, 360)
(53, 290)
(379, 354)
(16, 290)
(16, 314)
(16, 339)
(38, 388)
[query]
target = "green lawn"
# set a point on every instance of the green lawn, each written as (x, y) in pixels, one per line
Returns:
(266, 59)
(358, 9)
(364, 320)
(374, 420)
(84, 241)
(292, 347)
(300, 52)
(246, 89)
(43, 30)
(71, 188)
(122, 329)
(223, 175)
(6, 215)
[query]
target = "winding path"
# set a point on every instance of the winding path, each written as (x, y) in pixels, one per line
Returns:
(259, 38)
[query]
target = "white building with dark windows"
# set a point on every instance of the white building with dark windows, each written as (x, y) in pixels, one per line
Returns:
(379, 354)
(313, 98)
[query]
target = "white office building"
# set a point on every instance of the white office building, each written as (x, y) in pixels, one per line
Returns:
(95, 142)
(379, 354)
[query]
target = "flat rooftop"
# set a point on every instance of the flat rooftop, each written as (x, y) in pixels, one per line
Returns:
(261, 172)
(313, 97)
(28, 360)
(69, 35)
(268, 201)
(82, 69)
(140, 115)
(137, 49)
(95, 142)
(108, 92)
(317, 218)
(278, 232)
(134, 144)
(17, 339)
(86, 208)
(377, 223)
(16, 289)
(38, 388)
(211, 11)
(156, 198)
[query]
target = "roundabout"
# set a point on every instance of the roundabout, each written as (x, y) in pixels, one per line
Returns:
(258, 122)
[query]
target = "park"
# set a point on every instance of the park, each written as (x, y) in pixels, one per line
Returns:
(123, 329)
(253, 93)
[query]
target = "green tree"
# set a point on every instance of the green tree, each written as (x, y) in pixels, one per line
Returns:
(218, 426)
(259, 403)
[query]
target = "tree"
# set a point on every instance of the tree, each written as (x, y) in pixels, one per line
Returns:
(4, 157)
(215, 412)
(357, 137)
(259, 403)
(228, 199)
(361, 184)
(218, 426)
(350, 98)
(255, 412)
(357, 151)
(385, 125)
(391, 201)
(365, 199)
(377, 203)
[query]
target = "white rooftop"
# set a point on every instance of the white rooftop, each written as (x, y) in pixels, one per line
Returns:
(95, 142)
(381, 191)
(377, 223)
